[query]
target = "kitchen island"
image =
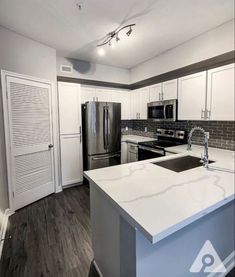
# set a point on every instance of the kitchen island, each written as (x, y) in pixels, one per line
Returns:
(151, 221)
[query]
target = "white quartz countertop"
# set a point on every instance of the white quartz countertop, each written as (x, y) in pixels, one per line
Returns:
(136, 139)
(158, 201)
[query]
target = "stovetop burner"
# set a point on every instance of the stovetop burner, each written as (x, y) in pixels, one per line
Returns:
(166, 138)
(159, 143)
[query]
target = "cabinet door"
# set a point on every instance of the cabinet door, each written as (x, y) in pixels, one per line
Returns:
(103, 95)
(169, 89)
(69, 108)
(71, 159)
(144, 100)
(220, 92)
(70, 133)
(87, 94)
(155, 93)
(122, 97)
(192, 96)
(123, 152)
(135, 104)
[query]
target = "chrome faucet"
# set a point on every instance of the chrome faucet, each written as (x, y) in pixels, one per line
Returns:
(205, 157)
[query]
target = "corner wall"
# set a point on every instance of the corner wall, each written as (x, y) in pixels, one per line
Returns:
(93, 71)
(210, 44)
(25, 56)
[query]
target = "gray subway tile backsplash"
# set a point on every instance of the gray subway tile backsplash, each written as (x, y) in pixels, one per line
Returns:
(221, 132)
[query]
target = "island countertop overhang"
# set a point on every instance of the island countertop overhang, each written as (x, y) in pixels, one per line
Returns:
(159, 202)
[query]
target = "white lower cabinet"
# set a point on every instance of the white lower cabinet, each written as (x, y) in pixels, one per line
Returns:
(70, 133)
(71, 159)
(123, 152)
(132, 152)
(192, 96)
(220, 93)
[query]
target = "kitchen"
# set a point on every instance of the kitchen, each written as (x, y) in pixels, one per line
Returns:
(117, 138)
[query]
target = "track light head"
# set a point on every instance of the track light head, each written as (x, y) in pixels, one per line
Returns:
(129, 32)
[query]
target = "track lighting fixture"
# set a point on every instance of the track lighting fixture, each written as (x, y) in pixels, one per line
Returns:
(114, 35)
(129, 32)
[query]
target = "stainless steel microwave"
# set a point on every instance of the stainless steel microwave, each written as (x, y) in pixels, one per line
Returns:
(163, 110)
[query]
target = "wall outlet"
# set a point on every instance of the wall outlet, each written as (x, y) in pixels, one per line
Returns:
(208, 134)
(146, 129)
(126, 128)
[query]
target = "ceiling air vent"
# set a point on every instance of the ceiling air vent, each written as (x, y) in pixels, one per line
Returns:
(66, 69)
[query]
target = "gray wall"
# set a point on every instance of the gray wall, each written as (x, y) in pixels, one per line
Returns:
(213, 43)
(22, 55)
(94, 71)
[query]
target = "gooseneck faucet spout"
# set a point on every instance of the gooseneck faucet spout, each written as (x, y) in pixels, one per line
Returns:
(205, 156)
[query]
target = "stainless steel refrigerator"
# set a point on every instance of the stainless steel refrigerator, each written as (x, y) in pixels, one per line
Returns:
(101, 134)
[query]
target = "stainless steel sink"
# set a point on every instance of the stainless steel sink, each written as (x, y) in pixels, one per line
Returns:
(181, 164)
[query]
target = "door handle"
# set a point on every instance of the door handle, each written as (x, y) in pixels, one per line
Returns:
(105, 158)
(50, 146)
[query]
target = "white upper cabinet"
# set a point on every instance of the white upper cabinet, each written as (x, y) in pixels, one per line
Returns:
(88, 94)
(155, 93)
(123, 97)
(144, 100)
(192, 96)
(135, 104)
(69, 108)
(139, 99)
(220, 93)
(103, 95)
(169, 90)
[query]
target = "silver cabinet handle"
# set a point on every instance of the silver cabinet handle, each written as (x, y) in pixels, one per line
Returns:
(159, 96)
(80, 131)
(162, 96)
(136, 115)
(208, 114)
(202, 114)
(96, 99)
(139, 115)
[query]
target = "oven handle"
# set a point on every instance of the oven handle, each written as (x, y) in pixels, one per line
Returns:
(153, 150)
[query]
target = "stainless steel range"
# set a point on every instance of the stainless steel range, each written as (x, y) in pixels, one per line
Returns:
(156, 148)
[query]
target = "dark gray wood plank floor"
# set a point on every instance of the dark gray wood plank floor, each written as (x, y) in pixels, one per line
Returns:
(51, 237)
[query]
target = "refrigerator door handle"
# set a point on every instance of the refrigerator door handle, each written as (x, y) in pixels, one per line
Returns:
(107, 157)
(105, 128)
(108, 126)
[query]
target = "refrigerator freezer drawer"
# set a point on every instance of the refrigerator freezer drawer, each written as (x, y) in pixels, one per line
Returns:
(99, 161)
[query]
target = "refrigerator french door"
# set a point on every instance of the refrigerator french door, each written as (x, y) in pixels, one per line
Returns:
(102, 134)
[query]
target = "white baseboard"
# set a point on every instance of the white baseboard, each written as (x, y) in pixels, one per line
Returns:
(3, 226)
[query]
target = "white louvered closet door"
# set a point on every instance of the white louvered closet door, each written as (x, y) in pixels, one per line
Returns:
(30, 130)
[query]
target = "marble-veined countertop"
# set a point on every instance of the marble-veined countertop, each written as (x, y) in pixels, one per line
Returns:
(135, 139)
(158, 201)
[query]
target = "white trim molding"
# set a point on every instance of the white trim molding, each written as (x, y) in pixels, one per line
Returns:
(3, 229)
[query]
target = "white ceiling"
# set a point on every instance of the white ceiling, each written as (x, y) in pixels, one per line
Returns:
(160, 25)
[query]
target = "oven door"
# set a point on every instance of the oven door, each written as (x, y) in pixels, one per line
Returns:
(145, 153)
